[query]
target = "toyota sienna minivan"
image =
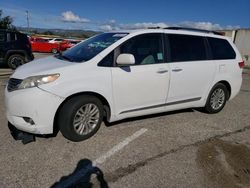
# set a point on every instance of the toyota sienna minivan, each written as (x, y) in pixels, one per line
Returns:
(123, 74)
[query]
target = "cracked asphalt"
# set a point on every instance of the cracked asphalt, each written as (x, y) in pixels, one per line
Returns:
(185, 148)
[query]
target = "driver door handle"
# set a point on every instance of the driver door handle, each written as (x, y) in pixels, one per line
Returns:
(161, 71)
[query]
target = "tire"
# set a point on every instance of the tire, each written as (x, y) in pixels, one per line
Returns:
(54, 50)
(75, 112)
(217, 99)
(15, 61)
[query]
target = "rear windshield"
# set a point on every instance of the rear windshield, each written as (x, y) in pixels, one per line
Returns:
(89, 48)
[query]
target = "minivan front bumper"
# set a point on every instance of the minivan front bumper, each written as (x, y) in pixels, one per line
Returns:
(34, 104)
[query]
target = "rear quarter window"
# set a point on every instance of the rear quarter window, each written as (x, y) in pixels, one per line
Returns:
(221, 49)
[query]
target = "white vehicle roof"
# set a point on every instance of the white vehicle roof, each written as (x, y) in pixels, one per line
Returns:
(185, 31)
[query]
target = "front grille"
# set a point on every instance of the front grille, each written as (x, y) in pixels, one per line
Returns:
(13, 84)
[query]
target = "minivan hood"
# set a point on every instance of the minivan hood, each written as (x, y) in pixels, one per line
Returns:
(41, 66)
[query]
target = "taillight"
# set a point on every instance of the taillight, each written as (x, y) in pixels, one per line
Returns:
(242, 64)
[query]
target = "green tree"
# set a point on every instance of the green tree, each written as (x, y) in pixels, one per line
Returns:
(5, 22)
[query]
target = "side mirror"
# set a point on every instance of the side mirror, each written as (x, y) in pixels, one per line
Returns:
(125, 59)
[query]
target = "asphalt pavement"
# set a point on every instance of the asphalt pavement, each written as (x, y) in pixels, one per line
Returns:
(185, 148)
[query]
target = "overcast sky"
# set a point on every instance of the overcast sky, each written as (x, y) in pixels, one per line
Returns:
(129, 14)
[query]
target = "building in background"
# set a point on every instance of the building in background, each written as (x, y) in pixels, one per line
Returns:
(241, 38)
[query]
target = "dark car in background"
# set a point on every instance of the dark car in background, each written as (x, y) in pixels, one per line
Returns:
(15, 48)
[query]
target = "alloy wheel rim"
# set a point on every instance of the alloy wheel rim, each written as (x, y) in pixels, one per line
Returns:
(15, 62)
(86, 119)
(217, 99)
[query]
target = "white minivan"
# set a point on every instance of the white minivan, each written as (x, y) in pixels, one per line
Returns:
(123, 74)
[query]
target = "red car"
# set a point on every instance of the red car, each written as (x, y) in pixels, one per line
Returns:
(68, 44)
(43, 45)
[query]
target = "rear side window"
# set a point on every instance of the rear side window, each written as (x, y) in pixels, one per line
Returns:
(221, 49)
(11, 37)
(187, 48)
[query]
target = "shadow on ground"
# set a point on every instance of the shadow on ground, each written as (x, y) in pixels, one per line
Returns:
(81, 177)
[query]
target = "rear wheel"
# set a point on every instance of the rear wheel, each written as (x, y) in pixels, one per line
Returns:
(217, 99)
(15, 61)
(80, 117)
(54, 50)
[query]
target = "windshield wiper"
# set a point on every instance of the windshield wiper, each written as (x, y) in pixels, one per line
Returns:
(61, 56)
(67, 58)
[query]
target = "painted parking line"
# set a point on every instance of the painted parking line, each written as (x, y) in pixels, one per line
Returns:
(118, 147)
(91, 167)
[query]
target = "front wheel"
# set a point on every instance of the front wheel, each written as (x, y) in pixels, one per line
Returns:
(80, 117)
(217, 99)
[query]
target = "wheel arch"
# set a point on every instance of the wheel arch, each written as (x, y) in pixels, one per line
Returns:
(106, 105)
(15, 52)
(228, 86)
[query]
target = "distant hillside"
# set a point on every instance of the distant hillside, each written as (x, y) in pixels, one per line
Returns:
(59, 32)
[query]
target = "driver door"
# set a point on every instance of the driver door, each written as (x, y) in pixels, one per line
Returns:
(141, 88)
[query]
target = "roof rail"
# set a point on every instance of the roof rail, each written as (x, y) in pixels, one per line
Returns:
(156, 27)
(194, 29)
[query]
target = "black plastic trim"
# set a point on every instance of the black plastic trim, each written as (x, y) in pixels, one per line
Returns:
(194, 29)
(161, 105)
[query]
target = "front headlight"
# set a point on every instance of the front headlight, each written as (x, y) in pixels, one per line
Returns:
(35, 81)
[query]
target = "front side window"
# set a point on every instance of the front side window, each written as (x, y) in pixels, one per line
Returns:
(146, 48)
(187, 48)
(88, 49)
(221, 49)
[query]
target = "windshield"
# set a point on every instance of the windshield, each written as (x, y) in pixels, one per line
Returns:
(88, 49)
